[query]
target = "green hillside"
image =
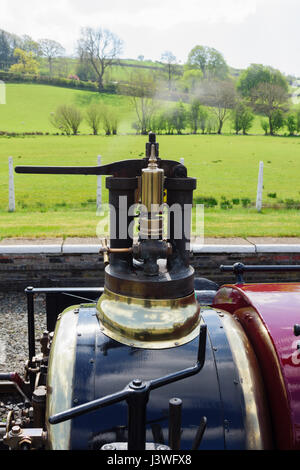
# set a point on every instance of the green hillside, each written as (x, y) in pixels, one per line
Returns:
(28, 107)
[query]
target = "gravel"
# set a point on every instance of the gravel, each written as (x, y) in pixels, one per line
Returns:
(14, 339)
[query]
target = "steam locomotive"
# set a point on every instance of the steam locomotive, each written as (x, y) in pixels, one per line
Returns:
(159, 360)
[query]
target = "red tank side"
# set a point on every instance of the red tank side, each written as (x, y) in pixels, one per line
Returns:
(268, 313)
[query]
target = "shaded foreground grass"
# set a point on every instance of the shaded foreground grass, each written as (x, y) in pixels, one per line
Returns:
(83, 223)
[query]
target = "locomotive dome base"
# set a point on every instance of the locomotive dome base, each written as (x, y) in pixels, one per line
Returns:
(158, 359)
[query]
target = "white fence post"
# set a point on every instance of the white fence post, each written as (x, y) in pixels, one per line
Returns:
(2, 92)
(99, 186)
(12, 203)
(260, 187)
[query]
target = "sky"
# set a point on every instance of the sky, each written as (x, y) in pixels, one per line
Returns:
(244, 31)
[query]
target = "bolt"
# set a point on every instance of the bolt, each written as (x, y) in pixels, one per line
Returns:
(16, 430)
(137, 383)
(76, 400)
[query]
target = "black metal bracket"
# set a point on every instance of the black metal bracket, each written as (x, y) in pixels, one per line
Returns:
(239, 269)
(69, 291)
(136, 394)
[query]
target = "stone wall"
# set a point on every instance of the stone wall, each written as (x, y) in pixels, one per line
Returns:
(82, 266)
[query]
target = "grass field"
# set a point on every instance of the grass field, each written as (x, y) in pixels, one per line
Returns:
(224, 166)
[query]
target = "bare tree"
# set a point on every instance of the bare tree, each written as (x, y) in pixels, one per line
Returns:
(110, 120)
(93, 117)
(51, 50)
(169, 60)
(221, 96)
(142, 89)
(99, 47)
(67, 118)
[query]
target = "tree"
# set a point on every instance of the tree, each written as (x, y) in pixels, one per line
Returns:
(5, 51)
(298, 120)
(191, 80)
(100, 48)
(220, 95)
(211, 123)
(169, 60)
(179, 117)
(203, 117)
(277, 120)
(142, 88)
(255, 75)
(209, 61)
(51, 50)
(268, 99)
(26, 63)
(265, 126)
(158, 123)
(8, 43)
(67, 118)
(291, 124)
(110, 120)
(242, 118)
(29, 45)
(193, 116)
(93, 117)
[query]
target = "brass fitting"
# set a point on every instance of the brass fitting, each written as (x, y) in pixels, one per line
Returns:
(151, 221)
